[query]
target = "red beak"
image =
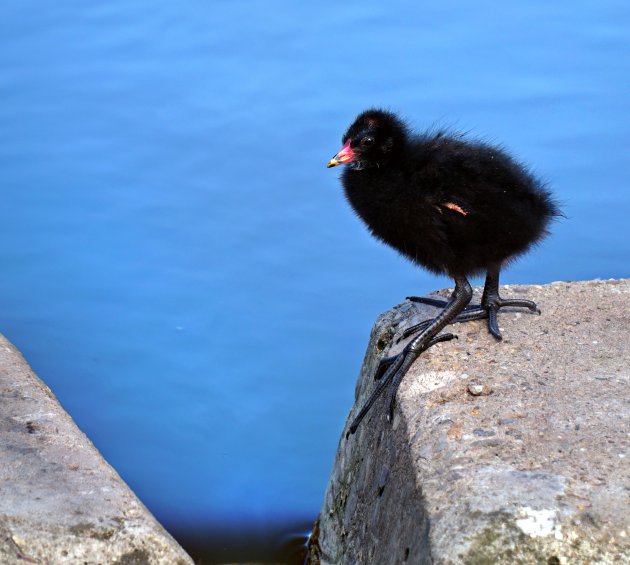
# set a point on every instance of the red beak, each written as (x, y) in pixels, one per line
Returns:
(345, 155)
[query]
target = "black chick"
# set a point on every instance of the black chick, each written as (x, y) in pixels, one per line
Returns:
(453, 206)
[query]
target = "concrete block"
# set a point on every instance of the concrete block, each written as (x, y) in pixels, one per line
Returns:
(60, 502)
(499, 452)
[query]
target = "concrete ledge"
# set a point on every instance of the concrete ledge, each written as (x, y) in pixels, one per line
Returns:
(500, 452)
(60, 502)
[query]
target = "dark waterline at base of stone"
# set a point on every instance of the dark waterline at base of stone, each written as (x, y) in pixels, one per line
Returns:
(277, 543)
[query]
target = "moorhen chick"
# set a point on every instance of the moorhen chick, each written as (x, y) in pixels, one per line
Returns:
(453, 206)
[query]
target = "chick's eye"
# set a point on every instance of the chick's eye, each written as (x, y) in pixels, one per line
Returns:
(367, 141)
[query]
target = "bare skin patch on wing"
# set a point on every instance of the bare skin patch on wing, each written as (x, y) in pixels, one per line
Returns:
(455, 207)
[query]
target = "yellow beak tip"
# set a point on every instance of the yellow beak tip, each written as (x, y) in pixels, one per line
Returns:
(332, 163)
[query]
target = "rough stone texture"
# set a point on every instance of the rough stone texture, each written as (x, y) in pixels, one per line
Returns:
(500, 452)
(60, 502)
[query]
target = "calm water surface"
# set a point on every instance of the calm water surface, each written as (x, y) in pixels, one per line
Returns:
(181, 268)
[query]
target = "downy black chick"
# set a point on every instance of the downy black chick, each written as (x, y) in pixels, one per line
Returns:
(453, 206)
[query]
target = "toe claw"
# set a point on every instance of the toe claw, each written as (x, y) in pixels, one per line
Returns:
(493, 324)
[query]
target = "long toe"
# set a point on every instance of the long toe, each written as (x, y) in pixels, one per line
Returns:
(383, 365)
(392, 389)
(495, 303)
(416, 328)
(493, 324)
(519, 303)
(426, 300)
(438, 303)
(469, 314)
(390, 374)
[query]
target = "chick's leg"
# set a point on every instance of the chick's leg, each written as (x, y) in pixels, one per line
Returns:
(397, 366)
(490, 305)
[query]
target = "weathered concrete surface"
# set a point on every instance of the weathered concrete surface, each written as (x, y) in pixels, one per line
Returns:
(60, 502)
(532, 470)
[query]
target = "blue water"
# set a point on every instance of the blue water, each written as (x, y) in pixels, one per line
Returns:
(181, 268)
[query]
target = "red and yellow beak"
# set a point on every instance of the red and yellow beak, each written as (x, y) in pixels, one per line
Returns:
(345, 155)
